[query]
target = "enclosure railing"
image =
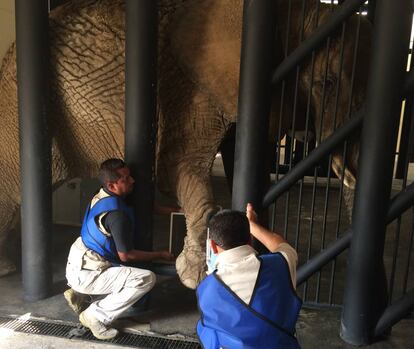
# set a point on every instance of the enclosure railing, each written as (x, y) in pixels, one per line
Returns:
(331, 39)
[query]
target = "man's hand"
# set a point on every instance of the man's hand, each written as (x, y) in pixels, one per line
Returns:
(268, 238)
(166, 256)
(161, 210)
(251, 213)
(144, 256)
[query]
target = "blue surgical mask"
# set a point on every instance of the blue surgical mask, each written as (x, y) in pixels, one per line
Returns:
(211, 257)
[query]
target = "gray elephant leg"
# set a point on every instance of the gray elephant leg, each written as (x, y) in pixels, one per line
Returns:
(195, 196)
(9, 160)
(9, 253)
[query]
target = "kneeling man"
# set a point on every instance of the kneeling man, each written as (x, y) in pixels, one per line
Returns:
(247, 301)
(96, 259)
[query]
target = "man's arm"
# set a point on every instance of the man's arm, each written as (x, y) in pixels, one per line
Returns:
(273, 242)
(119, 225)
(144, 256)
(268, 238)
(165, 210)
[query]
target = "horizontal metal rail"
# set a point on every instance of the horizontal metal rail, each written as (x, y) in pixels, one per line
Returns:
(395, 312)
(316, 39)
(313, 158)
(399, 203)
(322, 258)
(323, 150)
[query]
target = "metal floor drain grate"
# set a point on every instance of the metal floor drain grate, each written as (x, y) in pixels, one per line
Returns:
(63, 330)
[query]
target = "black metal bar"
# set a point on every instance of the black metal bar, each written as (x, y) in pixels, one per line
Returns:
(254, 103)
(399, 203)
(327, 146)
(325, 214)
(316, 39)
(395, 312)
(293, 148)
(35, 151)
(313, 158)
(294, 144)
(306, 152)
(319, 153)
(299, 213)
(409, 83)
(338, 223)
(311, 222)
(404, 185)
(338, 220)
(281, 113)
(363, 303)
(354, 64)
(323, 257)
(396, 242)
(326, 205)
(404, 139)
(287, 205)
(409, 249)
(371, 10)
(406, 142)
(322, 101)
(322, 115)
(140, 110)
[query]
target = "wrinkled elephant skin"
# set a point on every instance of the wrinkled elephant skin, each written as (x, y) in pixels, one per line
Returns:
(199, 47)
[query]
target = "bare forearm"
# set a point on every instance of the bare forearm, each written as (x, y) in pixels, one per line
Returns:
(165, 210)
(139, 256)
(268, 238)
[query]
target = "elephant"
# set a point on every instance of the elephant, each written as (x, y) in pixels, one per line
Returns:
(198, 76)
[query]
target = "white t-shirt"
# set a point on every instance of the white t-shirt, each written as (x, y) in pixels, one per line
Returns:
(238, 268)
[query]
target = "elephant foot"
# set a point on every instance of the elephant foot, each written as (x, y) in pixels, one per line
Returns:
(7, 267)
(191, 265)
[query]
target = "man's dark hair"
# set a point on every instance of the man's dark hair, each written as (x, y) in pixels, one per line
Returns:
(108, 171)
(229, 229)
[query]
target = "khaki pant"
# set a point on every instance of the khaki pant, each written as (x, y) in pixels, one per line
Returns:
(122, 285)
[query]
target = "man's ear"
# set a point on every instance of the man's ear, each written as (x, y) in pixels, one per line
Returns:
(110, 186)
(213, 246)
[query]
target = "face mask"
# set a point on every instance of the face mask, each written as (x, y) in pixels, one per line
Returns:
(211, 257)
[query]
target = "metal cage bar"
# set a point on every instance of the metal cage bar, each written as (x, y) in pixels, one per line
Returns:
(363, 304)
(140, 109)
(254, 103)
(316, 39)
(35, 147)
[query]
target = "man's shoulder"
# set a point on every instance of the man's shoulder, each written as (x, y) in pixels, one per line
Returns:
(101, 194)
(287, 251)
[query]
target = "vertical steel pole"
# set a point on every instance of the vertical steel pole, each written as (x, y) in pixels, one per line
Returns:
(257, 62)
(371, 10)
(35, 153)
(365, 293)
(140, 110)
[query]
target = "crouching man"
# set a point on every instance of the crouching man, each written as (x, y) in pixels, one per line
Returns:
(95, 259)
(248, 301)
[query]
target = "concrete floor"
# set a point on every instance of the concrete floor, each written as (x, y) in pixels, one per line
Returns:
(173, 309)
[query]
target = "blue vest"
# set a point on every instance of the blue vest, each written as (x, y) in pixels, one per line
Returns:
(267, 322)
(92, 237)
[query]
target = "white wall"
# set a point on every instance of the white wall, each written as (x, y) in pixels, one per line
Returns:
(7, 26)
